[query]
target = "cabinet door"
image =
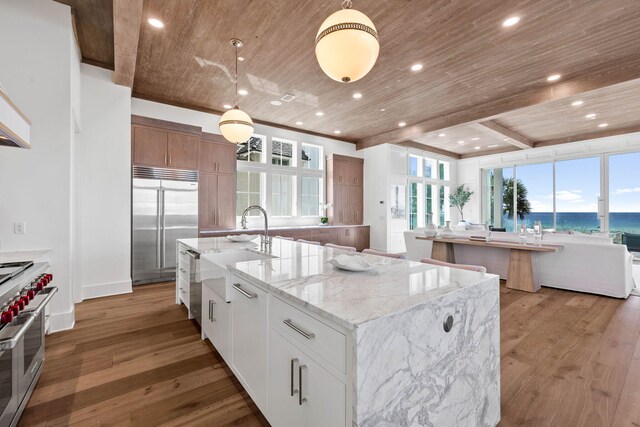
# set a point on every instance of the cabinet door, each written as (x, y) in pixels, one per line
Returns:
(347, 237)
(284, 362)
(221, 320)
(354, 173)
(362, 239)
(183, 151)
(340, 172)
(207, 314)
(249, 339)
(226, 202)
(207, 186)
(227, 158)
(149, 146)
(325, 396)
(355, 210)
(208, 157)
(341, 205)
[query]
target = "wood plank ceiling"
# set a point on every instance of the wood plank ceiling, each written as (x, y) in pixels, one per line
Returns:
(474, 69)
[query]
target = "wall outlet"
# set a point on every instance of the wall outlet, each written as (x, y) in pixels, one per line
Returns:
(19, 228)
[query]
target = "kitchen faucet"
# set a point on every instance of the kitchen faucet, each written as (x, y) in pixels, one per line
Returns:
(265, 240)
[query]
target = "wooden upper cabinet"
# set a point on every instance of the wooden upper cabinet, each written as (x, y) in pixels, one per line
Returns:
(226, 198)
(182, 151)
(354, 173)
(149, 146)
(217, 155)
(340, 172)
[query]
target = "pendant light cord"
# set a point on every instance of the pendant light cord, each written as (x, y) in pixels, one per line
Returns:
(236, 97)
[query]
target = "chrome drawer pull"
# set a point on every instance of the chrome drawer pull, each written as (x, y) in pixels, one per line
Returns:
(249, 295)
(307, 335)
(293, 390)
(300, 398)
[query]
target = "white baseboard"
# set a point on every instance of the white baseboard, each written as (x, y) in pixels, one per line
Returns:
(62, 321)
(106, 289)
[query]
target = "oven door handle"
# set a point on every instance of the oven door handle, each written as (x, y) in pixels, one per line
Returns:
(50, 292)
(10, 342)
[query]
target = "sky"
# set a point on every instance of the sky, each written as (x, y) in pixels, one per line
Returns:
(578, 184)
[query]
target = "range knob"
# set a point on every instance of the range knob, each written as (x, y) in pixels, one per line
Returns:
(20, 304)
(25, 300)
(6, 317)
(31, 294)
(49, 278)
(40, 284)
(14, 309)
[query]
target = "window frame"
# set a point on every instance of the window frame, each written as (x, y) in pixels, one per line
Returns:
(425, 182)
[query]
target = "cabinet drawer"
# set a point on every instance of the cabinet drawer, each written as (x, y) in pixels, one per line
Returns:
(321, 339)
(183, 290)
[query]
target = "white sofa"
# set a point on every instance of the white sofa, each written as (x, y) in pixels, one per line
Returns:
(585, 263)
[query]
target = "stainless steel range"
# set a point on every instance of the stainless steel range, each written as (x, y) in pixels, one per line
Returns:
(25, 291)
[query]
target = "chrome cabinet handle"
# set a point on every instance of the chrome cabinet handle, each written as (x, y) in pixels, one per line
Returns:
(238, 288)
(298, 329)
(169, 159)
(293, 390)
(182, 270)
(300, 398)
(165, 158)
(210, 310)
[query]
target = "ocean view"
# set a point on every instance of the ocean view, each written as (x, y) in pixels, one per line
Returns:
(584, 222)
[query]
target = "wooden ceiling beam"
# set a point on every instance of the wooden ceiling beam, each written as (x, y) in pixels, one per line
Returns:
(492, 128)
(127, 16)
(428, 148)
(588, 136)
(489, 152)
(596, 78)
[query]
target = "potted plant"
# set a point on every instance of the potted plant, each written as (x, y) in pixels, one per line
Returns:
(459, 198)
(323, 219)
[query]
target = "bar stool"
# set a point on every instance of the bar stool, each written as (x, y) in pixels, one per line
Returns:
(478, 268)
(344, 248)
(380, 253)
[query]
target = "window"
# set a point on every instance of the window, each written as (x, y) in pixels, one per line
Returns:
(624, 196)
(429, 191)
(250, 190)
(577, 193)
(282, 152)
(413, 205)
(311, 196)
(429, 168)
(536, 204)
(443, 170)
(414, 165)
(311, 157)
(282, 195)
(251, 151)
(444, 212)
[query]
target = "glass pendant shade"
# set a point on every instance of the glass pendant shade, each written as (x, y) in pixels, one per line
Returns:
(347, 45)
(236, 126)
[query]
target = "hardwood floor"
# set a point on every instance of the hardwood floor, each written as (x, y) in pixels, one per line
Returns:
(568, 359)
(136, 360)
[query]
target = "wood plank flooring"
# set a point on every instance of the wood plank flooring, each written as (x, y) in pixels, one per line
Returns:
(568, 359)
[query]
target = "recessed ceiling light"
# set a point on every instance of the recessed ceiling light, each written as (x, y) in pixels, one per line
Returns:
(511, 21)
(276, 103)
(603, 125)
(476, 148)
(416, 67)
(493, 145)
(590, 116)
(383, 109)
(461, 142)
(553, 77)
(336, 132)
(577, 103)
(506, 139)
(475, 139)
(319, 114)
(402, 124)
(357, 95)
(243, 92)
(240, 58)
(442, 134)
(155, 22)
(227, 106)
(298, 123)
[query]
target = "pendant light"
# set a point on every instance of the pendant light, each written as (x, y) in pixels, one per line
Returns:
(347, 44)
(236, 125)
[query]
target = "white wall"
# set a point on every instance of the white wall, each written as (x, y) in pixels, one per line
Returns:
(36, 71)
(105, 185)
(469, 170)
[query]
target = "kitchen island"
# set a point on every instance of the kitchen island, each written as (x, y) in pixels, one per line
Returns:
(402, 344)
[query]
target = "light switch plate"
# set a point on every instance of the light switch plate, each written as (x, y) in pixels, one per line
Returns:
(19, 228)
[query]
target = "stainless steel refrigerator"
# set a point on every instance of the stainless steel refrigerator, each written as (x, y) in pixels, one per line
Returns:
(165, 208)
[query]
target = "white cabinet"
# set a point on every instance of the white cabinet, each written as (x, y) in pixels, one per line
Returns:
(216, 322)
(182, 275)
(301, 391)
(249, 339)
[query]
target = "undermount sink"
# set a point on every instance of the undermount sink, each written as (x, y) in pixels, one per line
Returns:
(214, 273)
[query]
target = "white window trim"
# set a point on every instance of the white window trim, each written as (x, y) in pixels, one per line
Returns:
(422, 186)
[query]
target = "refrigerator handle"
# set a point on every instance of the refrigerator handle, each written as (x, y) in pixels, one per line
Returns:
(158, 229)
(162, 230)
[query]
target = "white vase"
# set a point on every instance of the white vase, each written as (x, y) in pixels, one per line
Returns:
(431, 229)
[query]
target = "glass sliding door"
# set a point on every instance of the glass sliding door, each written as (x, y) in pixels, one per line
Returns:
(535, 194)
(577, 194)
(498, 204)
(624, 199)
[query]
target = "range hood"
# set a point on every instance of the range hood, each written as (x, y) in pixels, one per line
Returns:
(15, 126)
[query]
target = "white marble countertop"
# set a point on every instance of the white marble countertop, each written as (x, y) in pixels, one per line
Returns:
(297, 227)
(24, 255)
(219, 244)
(301, 273)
